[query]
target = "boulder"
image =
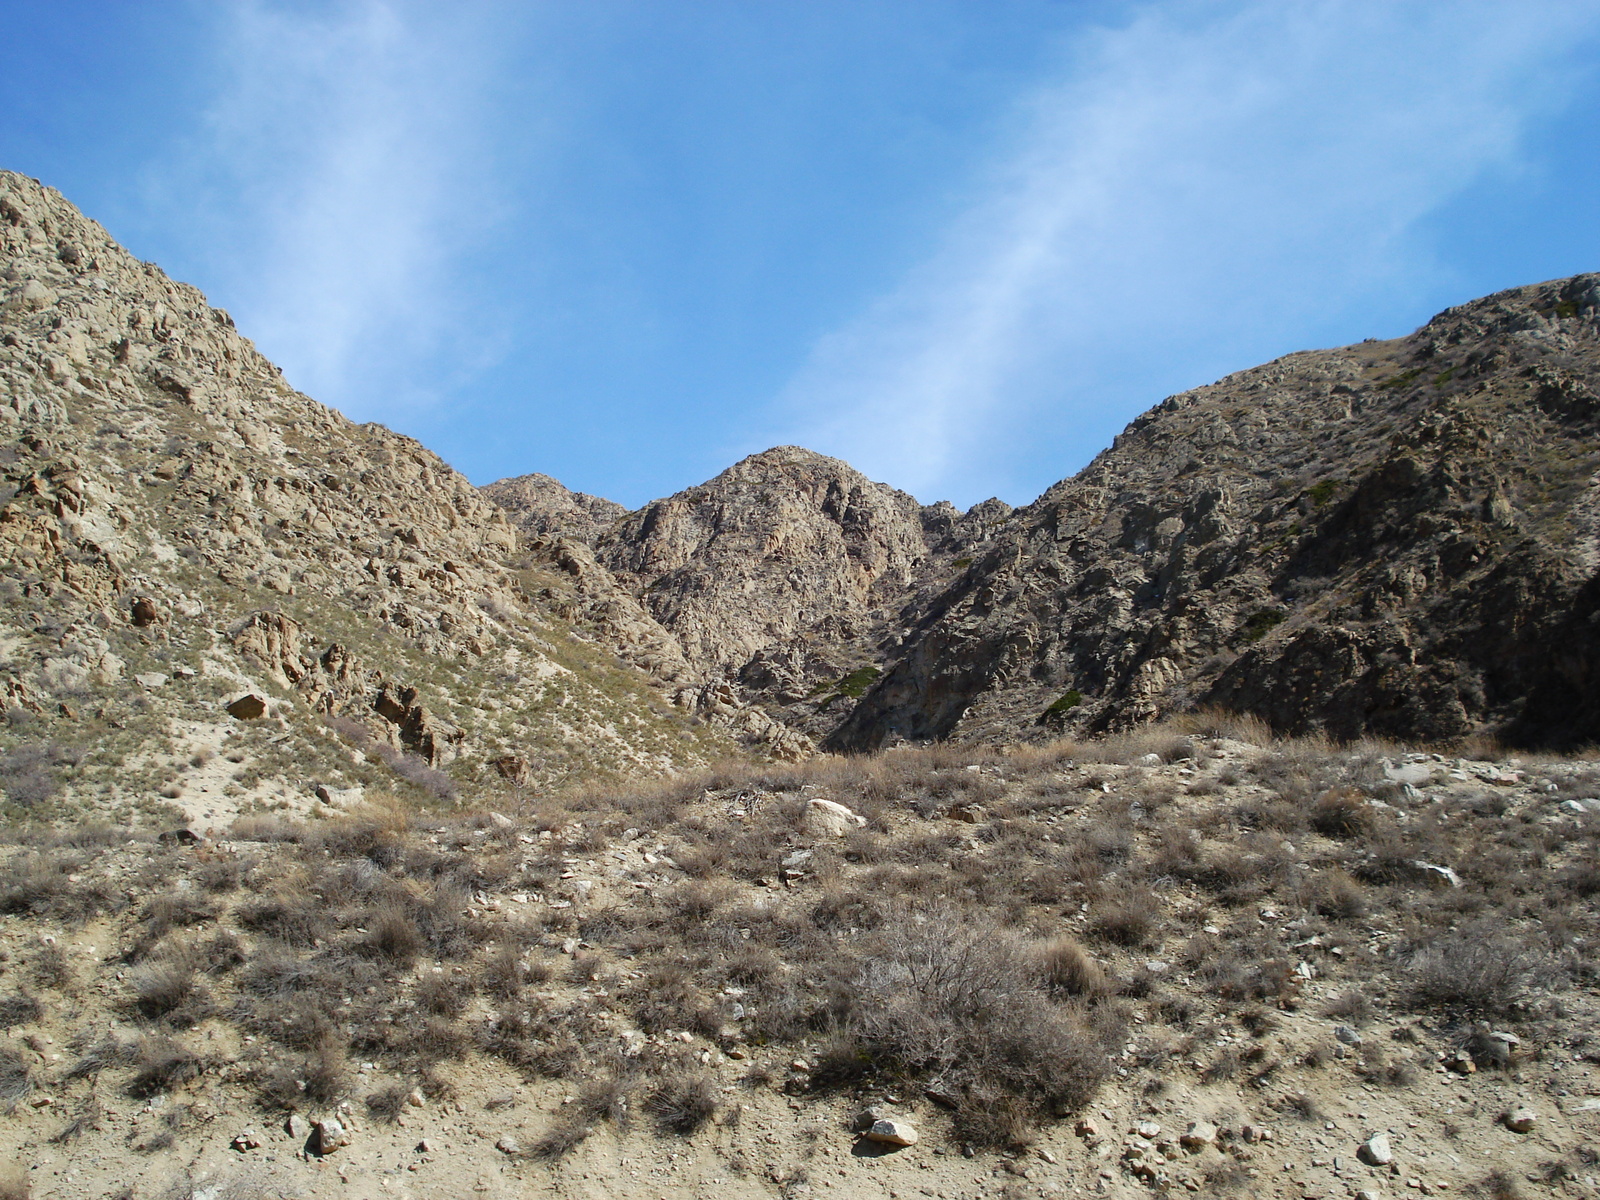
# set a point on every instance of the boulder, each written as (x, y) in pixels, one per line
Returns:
(1520, 1119)
(825, 818)
(892, 1133)
(1376, 1151)
(327, 1135)
(143, 612)
(248, 707)
(340, 797)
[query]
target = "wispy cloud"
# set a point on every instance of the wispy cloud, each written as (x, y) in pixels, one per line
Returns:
(1202, 169)
(347, 173)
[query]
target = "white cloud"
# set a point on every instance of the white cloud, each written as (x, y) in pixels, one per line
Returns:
(1205, 167)
(348, 176)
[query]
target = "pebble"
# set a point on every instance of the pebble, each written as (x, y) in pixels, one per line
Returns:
(508, 1145)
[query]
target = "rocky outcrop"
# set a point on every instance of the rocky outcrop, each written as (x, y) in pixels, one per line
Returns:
(541, 507)
(1395, 538)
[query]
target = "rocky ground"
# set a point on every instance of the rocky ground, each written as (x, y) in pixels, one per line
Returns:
(1190, 960)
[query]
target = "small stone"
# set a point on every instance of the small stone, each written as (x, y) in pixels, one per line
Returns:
(1148, 1130)
(1347, 1035)
(327, 1135)
(297, 1127)
(246, 1141)
(1520, 1119)
(415, 1099)
(508, 1145)
(1148, 760)
(1375, 1151)
(1086, 1128)
(1367, 1195)
(424, 1147)
(1199, 1134)
(892, 1133)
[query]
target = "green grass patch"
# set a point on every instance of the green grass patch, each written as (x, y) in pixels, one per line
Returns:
(1069, 700)
(1260, 623)
(1395, 382)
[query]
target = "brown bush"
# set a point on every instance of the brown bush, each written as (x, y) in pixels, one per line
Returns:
(682, 1101)
(1478, 971)
(1068, 968)
(163, 1064)
(1126, 918)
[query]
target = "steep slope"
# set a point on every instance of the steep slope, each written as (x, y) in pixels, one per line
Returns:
(1396, 538)
(180, 527)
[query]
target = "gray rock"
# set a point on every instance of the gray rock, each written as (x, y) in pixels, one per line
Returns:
(297, 1127)
(1520, 1119)
(826, 818)
(328, 1135)
(507, 1144)
(1347, 1035)
(893, 1133)
(1198, 1135)
(1375, 1151)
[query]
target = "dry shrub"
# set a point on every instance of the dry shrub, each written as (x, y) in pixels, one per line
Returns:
(16, 1080)
(1126, 918)
(1335, 894)
(393, 934)
(444, 995)
(671, 998)
(161, 989)
(1068, 968)
(1479, 971)
(18, 1009)
(682, 1102)
(1220, 723)
(388, 1103)
(295, 918)
(1352, 1005)
(958, 1000)
(1341, 813)
(163, 1064)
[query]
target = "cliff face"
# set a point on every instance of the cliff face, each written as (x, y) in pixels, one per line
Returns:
(180, 526)
(1396, 538)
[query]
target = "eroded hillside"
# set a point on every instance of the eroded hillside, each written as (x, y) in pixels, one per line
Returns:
(182, 529)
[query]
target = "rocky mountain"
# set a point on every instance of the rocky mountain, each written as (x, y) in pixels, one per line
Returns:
(1387, 538)
(1394, 538)
(180, 529)
(542, 507)
(780, 586)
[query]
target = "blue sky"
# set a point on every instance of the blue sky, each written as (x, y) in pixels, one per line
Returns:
(959, 244)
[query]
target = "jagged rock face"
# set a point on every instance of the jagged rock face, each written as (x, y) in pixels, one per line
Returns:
(764, 598)
(1392, 538)
(170, 502)
(775, 546)
(541, 507)
(1395, 538)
